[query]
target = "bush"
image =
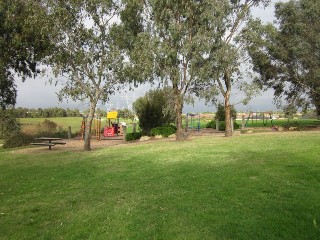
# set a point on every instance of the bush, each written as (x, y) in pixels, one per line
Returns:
(9, 124)
(221, 112)
(154, 109)
(18, 140)
(47, 126)
(222, 125)
(164, 131)
(133, 136)
(61, 134)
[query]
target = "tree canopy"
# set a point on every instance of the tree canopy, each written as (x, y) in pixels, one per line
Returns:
(287, 55)
(24, 43)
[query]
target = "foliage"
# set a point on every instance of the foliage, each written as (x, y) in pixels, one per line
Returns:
(47, 126)
(126, 113)
(18, 139)
(24, 43)
(91, 65)
(222, 125)
(8, 124)
(133, 136)
(286, 56)
(221, 112)
(164, 131)
(170, 40)
(154, 109)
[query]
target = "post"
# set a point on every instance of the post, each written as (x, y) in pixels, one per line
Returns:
(69, 132)
(243, 122)
(134, 127)
(232, 126)
(187, 123)
(217, 125)
(124, 130)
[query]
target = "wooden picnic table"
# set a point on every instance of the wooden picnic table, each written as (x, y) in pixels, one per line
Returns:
(48, 141)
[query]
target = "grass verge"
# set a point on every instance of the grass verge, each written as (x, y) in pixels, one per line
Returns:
(260, 186)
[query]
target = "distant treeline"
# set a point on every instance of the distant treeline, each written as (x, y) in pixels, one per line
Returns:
(45, 112)
(61, 112)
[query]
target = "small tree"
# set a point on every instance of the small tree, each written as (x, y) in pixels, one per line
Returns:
(154, 109)
(9, 125)
(85, 55)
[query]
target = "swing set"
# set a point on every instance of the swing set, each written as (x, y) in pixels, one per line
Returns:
(265, 116)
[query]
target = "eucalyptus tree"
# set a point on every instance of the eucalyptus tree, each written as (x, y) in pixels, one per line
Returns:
(287, 55)
(24, 43)
(169, 41)
(86, 61)
(227, 58)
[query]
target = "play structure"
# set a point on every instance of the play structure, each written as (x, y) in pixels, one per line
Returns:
(96, 128)
(255, 116)
(193, 121)
(113, 127)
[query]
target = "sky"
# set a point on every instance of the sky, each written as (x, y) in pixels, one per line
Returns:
(38, 93)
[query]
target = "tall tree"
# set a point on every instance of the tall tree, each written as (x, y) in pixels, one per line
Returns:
(24, 43)
(171, 38)
(227, 58)
(85, 57)
(287, 55)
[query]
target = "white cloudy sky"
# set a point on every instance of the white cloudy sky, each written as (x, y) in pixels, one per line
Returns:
(37, 93)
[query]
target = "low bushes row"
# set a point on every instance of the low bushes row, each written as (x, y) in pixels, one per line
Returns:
(164, 131)
(222, 125)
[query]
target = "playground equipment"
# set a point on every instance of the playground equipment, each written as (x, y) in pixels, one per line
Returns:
(83, 127)
(113, 125)
(97, 127)
(194, 121)
(96, 130)
(265, 116)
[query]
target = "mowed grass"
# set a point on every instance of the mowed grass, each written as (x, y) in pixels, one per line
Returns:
(258, 186)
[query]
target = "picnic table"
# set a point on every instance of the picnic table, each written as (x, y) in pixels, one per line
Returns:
(48, 141)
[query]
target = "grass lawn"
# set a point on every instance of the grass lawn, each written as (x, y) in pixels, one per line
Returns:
(253, 186)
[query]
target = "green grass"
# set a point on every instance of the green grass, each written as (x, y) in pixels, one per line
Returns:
(259, 186)
(280, 122)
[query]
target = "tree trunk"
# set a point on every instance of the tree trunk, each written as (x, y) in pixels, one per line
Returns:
(87, 138)
(178, 110)
(227, 80)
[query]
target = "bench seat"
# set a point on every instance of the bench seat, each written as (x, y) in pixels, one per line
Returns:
(43, 144)
(62, 143)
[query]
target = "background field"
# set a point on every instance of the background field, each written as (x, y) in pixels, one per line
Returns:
(258, 186)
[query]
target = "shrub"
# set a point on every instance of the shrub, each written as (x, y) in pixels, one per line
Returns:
(164, 131)
(18, 140)
(47, 126)
(221, 112)
(154, 109)
(61, 134)
(222, 125)
(133, 136)
(211, 124)
(8, 124)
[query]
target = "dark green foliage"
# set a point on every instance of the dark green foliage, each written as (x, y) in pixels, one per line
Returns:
(17, 140)
(164, 131)
(154, 109)
(211, 124)
(222, 125)
(133, 136)
(221, 112)
(8, 124)
(24, 42)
